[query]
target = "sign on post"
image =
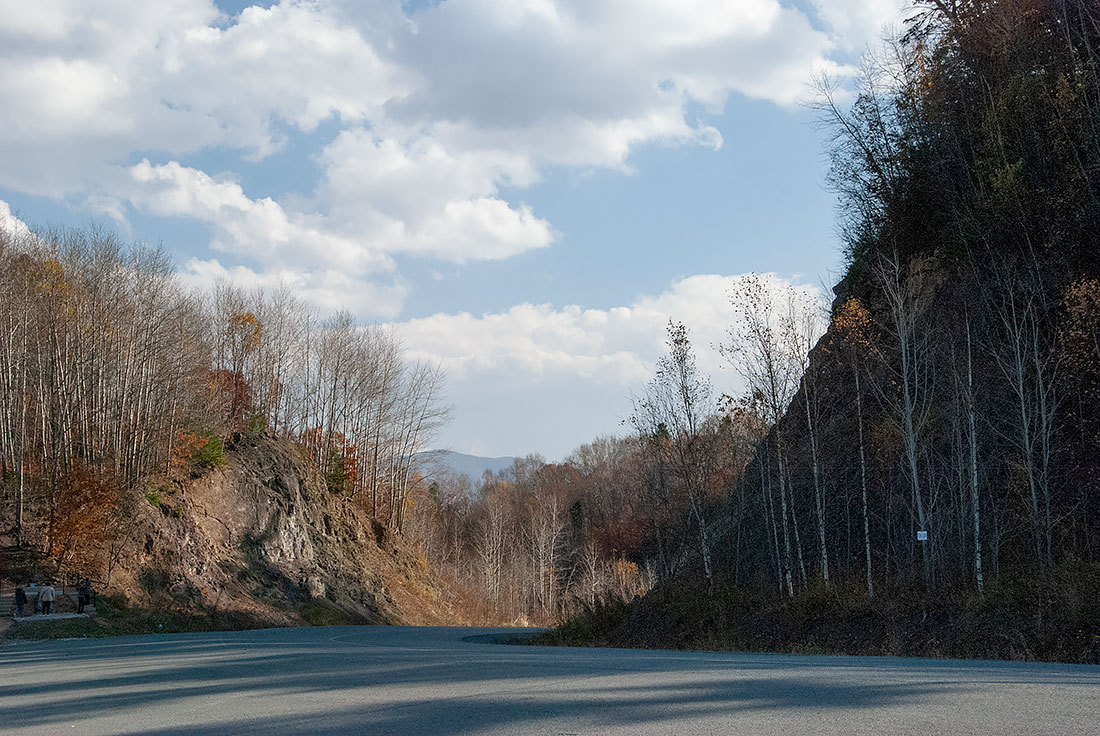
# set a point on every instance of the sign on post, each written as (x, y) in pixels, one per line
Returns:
(922, 536)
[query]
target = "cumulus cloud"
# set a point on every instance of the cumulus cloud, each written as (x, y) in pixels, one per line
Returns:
(260, 229)
(616, 346)
(330, 290)
(858, 24)
(419, 196)
(437, 110)
(11, 224)
(528, 360)
(169, 77)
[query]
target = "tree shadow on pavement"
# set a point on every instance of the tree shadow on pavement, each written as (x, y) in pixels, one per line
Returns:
(387, 680)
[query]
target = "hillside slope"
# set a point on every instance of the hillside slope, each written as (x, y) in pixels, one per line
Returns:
(261, 541)
(928, 480)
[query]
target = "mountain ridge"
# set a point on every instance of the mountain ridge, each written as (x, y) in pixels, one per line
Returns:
(472, 467)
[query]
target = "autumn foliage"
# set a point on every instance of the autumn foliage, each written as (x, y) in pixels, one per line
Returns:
(115, 377)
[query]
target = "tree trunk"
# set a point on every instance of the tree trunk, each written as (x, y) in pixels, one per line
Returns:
(863, 485)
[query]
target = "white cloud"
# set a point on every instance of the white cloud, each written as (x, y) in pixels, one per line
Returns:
(260, 229)
(859, 24)
(328, 289)
(293, 62)
(509, 363)
(330, 270)
(436, 113)
(618, 346)
(168, 76)
(418, 196)
(11, 224)
(86, 86)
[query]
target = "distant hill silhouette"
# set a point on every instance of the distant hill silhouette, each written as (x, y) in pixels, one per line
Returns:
(472, 466)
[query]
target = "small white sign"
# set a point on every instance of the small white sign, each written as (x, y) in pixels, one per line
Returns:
(922, 536)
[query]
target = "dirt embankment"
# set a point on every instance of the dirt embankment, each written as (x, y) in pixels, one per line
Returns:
(262, 541)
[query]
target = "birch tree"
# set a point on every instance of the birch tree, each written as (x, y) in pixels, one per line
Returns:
(853, 324)
(759, 348)
(802, 327)
(909, 396)
(670, 416)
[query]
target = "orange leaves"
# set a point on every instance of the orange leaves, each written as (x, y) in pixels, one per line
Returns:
(338, 458)
(88, 499)
(1082, 308)
(184, 446)
(630, 579)
(248, 328)
(625, 571)
(853, 322)
(351, 470)
(51, 281)
(191, 450)
(230, 392)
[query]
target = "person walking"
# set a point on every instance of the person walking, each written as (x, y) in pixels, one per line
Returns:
(83, 595)
(46, 596)
(20, 601)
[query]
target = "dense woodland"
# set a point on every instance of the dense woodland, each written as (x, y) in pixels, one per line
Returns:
(935, 428)
(118, 384)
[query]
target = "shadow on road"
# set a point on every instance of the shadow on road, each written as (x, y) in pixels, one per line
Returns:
(330, 681)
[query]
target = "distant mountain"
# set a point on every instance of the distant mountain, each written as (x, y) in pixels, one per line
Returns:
(472, 466)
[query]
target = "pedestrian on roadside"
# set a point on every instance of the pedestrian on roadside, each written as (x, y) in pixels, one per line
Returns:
(46, 596)
(83, 595)
(20, 601)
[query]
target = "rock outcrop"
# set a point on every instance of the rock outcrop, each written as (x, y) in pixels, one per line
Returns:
(262, 536)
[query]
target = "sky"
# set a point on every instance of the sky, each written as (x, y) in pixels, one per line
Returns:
(526, 190)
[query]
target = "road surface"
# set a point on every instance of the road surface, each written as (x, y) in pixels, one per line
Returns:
(409, 681)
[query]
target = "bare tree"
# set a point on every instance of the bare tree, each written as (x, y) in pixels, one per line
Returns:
(803, 326)
(1018, 350)
(853, 325)
(909, 397)
(670, 417)
(759, 347)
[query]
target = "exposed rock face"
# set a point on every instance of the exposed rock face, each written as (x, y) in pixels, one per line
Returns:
(263, 535)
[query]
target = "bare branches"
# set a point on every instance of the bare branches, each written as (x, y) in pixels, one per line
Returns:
(112, 370)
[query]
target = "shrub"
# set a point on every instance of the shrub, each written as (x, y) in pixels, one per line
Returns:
(210, 452)
(336, 476)
(590, 624)
(256, 425)
(321, 612)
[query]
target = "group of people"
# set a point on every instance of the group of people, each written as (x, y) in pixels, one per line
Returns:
(44, 597)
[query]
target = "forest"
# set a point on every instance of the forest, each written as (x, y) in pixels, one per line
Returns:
(119, 384)
(924, 448)
(929, 438)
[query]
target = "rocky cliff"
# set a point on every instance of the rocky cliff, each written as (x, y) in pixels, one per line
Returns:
(262, 538)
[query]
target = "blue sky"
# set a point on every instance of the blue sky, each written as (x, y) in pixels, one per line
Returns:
(756, 207)
(526, 189)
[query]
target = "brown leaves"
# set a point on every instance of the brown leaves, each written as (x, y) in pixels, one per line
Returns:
(1079, 336)
(853, 322)
(249, 329)
(88, 502)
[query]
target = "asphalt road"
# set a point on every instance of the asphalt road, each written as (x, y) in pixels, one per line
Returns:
(407, 681)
